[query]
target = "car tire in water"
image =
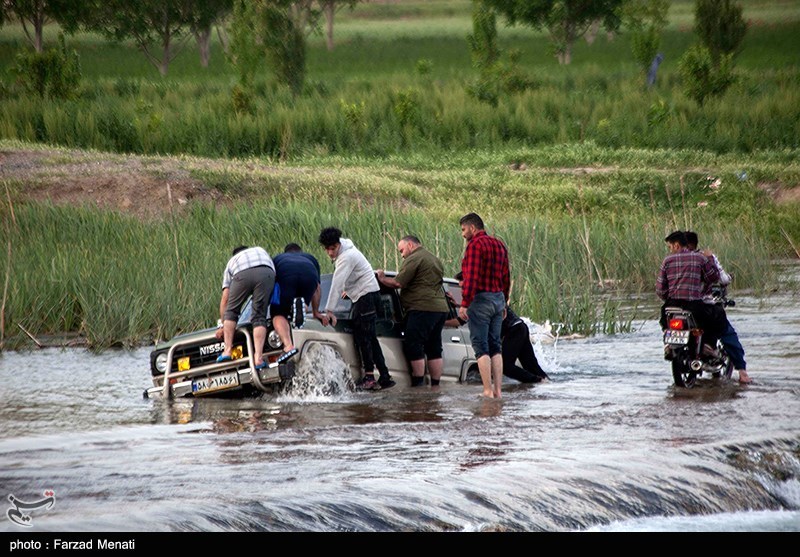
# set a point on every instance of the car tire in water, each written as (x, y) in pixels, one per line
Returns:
(473, 376)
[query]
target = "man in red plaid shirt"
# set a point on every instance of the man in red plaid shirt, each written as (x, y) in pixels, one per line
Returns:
(487, 281)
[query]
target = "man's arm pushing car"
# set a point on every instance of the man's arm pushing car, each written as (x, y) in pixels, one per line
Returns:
(223, 303)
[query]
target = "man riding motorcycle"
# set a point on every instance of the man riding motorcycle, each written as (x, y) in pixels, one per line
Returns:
(682, 281)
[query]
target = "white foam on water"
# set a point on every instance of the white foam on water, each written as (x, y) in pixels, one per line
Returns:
(542, 335)
(321, 376)
(787, 491)
(746, 521)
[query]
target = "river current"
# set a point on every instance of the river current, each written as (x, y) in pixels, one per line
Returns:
(608, 444)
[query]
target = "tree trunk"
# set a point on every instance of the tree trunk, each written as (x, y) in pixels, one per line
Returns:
(562, 36)
(591, 33)
(223, 38)
(38, 30)
(570, 36)
(203, 37)
(37, 40)
(163, 66)
(329, 13)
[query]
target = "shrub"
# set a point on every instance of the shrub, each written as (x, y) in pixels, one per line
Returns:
(701, 77)
(424, 66)
(720, 26)
(242, 99)
(55, 72)
(406, 107)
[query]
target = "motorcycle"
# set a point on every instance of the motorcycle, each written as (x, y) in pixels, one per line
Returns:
(690, 356)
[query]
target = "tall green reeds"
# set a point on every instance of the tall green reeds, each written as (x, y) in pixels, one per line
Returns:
(115, 279)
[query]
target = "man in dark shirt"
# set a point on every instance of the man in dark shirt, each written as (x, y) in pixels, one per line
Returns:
(516, 338)
(487, 282)
(421, 295)
(296, 276)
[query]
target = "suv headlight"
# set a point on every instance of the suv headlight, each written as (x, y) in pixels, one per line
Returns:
(161, 362)
(274, 339)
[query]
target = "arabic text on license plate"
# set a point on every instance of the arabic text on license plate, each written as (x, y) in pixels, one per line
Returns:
(215, 382)
(676, 337)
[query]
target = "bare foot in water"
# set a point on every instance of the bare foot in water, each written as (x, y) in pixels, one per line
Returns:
(744, 379)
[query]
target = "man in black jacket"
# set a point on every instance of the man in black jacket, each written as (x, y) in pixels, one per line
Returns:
(516, 338)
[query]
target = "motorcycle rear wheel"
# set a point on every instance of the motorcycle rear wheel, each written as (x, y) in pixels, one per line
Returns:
(727, 370)
(725, 367)
(683, 375)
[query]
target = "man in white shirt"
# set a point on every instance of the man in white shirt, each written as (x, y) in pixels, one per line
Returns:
(354, 278)
(250, 271)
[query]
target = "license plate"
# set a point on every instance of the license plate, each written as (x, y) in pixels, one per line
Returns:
(676, 337)
(217, 382)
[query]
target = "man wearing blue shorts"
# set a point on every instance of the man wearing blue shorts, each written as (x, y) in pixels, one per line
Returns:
(296, 276)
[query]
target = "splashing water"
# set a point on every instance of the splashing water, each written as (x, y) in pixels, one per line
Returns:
(322, 376)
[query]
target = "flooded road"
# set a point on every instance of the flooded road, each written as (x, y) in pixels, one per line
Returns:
(607, 444)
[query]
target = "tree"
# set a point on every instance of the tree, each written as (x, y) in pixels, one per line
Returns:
(329, 9)
(498, 71)
(483, 40)
(485, 52)
(275, 32)
(33, 15)
(159, 28)
(213, 12)
(646, 20)
(702, 77)
(720, 26)
(54, 72)
(244, 51)
(707, 68)
(566, 20)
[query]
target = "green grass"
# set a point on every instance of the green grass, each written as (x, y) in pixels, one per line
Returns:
(584, 244)
(354, 95)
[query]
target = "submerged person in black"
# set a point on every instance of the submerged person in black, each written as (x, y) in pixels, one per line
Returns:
(516, 339)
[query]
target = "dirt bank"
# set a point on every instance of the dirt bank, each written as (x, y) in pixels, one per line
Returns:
(152, 186)
(137, 185)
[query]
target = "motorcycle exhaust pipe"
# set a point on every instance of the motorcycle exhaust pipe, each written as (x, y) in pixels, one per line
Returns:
(696, 365)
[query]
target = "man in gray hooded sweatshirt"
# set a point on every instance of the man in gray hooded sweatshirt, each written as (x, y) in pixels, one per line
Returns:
(354, 278)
